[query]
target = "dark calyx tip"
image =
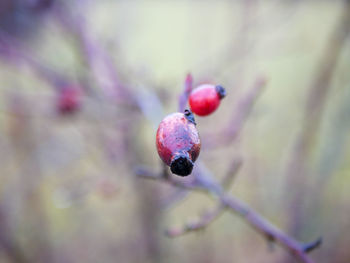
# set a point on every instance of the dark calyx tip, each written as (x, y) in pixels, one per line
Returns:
(182, 166)
(189, 116)
(221, 91)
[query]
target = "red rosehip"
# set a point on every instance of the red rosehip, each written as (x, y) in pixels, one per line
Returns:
(69, 99)
(178, 142)
(206, 98)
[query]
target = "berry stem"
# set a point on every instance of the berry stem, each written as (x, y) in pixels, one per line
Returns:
(221, 91)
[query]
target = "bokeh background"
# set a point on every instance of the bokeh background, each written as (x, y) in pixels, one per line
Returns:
(69, 191)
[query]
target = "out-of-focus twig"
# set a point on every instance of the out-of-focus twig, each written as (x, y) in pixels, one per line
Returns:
(210, 215)
(312, 245)
(240, 113)
(8, 243)
(254, 219)
(316, 101)
(25, 141)
(102, 66)
(240, 46)
(205, 219)
(12, 50)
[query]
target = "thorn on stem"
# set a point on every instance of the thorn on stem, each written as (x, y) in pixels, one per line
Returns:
(313, 245)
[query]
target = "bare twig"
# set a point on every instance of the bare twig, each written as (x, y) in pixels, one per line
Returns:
(264, 227)
(208, 217)
(312, 245)
(254, 219)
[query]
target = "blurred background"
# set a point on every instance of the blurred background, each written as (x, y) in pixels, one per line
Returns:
(84, 84)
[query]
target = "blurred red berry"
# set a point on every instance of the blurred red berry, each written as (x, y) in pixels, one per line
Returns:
(178, 142)
(107, 188)
(206, 98)
(69, 99)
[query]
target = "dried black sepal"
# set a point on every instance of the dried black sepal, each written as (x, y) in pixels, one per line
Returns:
(181, 165)
(221, 91)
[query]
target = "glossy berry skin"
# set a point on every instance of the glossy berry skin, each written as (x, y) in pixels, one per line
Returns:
(206, 98)
(69, 99)
(178, 142)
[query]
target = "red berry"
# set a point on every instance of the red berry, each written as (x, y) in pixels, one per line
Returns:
(178, 142)
(206, 98)
(69, 99)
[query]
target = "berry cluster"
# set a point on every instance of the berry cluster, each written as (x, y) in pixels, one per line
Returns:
(177, 138)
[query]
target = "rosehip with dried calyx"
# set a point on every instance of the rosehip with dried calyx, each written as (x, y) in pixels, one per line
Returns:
(178, 142)
(206, 98)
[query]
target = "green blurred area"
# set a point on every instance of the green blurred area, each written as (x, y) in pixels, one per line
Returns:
(69, 186)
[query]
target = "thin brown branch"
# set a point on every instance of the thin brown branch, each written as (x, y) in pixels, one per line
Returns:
(226, 182)
(207, 218)
(312, 245)
(259, 223)
(269, 231)
(210, 215)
